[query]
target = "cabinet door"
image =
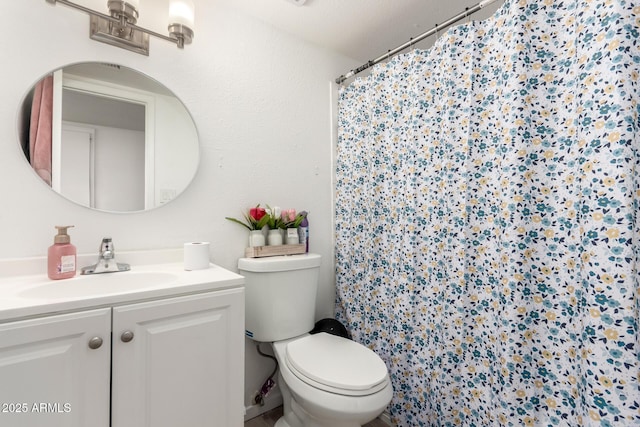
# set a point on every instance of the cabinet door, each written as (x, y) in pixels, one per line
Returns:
(182, 364)
(49, 375)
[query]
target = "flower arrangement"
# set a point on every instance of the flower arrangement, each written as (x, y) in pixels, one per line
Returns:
(255, 219)
(276, 221)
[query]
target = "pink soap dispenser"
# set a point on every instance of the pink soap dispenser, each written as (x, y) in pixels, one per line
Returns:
(62, 255)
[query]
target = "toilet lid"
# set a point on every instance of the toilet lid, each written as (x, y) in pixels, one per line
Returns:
(336, 362)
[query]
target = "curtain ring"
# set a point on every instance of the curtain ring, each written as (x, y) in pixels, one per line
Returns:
(437, 35)
(466, 14)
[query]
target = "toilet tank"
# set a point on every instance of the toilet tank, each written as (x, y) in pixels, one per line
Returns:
(280, 295)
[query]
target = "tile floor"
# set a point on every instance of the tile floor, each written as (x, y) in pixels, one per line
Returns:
(268, 419)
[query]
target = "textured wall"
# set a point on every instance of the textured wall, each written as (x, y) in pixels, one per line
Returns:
(260, 100)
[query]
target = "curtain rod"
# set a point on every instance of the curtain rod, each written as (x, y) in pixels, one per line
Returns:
(411, 42)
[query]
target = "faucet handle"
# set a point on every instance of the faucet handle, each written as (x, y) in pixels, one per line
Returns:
(106, 260)
(106, 248)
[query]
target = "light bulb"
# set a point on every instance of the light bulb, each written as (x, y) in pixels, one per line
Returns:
(181, 12)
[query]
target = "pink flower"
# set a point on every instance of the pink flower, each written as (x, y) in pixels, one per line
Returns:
(288, 215)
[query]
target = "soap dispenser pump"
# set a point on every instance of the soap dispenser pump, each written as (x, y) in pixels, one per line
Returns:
(61, 255)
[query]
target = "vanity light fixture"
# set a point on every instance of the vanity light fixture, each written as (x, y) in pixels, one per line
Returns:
(119, 27)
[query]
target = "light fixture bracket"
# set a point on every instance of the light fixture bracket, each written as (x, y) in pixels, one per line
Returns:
(182, 33)
(124, 11)
(126, 37)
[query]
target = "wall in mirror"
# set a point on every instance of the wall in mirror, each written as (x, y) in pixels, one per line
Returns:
(108, 137)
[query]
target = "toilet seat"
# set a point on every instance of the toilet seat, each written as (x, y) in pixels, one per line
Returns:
(336, 365)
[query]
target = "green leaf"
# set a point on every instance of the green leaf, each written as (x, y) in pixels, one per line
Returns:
(262, 222)
(298, 220)
(238, 222)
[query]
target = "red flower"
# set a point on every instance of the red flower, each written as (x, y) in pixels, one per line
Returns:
(257, 213)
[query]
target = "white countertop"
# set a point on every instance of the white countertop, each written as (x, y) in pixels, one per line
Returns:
(29, 295)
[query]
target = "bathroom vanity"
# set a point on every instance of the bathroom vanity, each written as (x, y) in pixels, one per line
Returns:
(155, 346)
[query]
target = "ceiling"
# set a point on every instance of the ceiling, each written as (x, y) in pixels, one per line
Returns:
(360, 29)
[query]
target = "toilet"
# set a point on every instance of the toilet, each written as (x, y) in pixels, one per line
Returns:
(326, 380)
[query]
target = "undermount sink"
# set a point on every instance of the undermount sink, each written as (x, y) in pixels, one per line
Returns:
(99, 284)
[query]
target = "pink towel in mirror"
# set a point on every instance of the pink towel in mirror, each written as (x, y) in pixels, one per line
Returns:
(40, 128)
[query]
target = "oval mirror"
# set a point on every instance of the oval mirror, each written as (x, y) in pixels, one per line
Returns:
(108, 137)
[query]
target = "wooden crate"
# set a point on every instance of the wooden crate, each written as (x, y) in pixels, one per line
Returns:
(263, 251)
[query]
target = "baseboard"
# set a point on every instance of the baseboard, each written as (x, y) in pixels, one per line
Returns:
(386, 418)
(272, 401)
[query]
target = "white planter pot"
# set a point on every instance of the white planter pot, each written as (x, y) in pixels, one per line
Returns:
(274, 238)
(256, 238)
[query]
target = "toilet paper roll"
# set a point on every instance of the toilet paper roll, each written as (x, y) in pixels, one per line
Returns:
(196, 255)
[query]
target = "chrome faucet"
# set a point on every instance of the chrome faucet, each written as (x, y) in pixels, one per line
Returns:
(106, 260)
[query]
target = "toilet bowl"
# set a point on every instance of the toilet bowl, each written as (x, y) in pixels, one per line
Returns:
(328, 380)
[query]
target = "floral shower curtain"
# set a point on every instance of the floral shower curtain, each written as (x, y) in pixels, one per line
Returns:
(487, 219)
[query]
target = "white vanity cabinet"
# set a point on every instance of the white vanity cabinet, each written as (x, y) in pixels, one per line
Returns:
(179, 362)
(174, 361)
(49, 375)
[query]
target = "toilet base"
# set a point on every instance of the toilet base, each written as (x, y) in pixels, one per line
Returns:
(306, 406)
(296, 416)
(281, 423)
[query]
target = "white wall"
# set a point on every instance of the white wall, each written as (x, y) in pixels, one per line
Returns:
(260, 101)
